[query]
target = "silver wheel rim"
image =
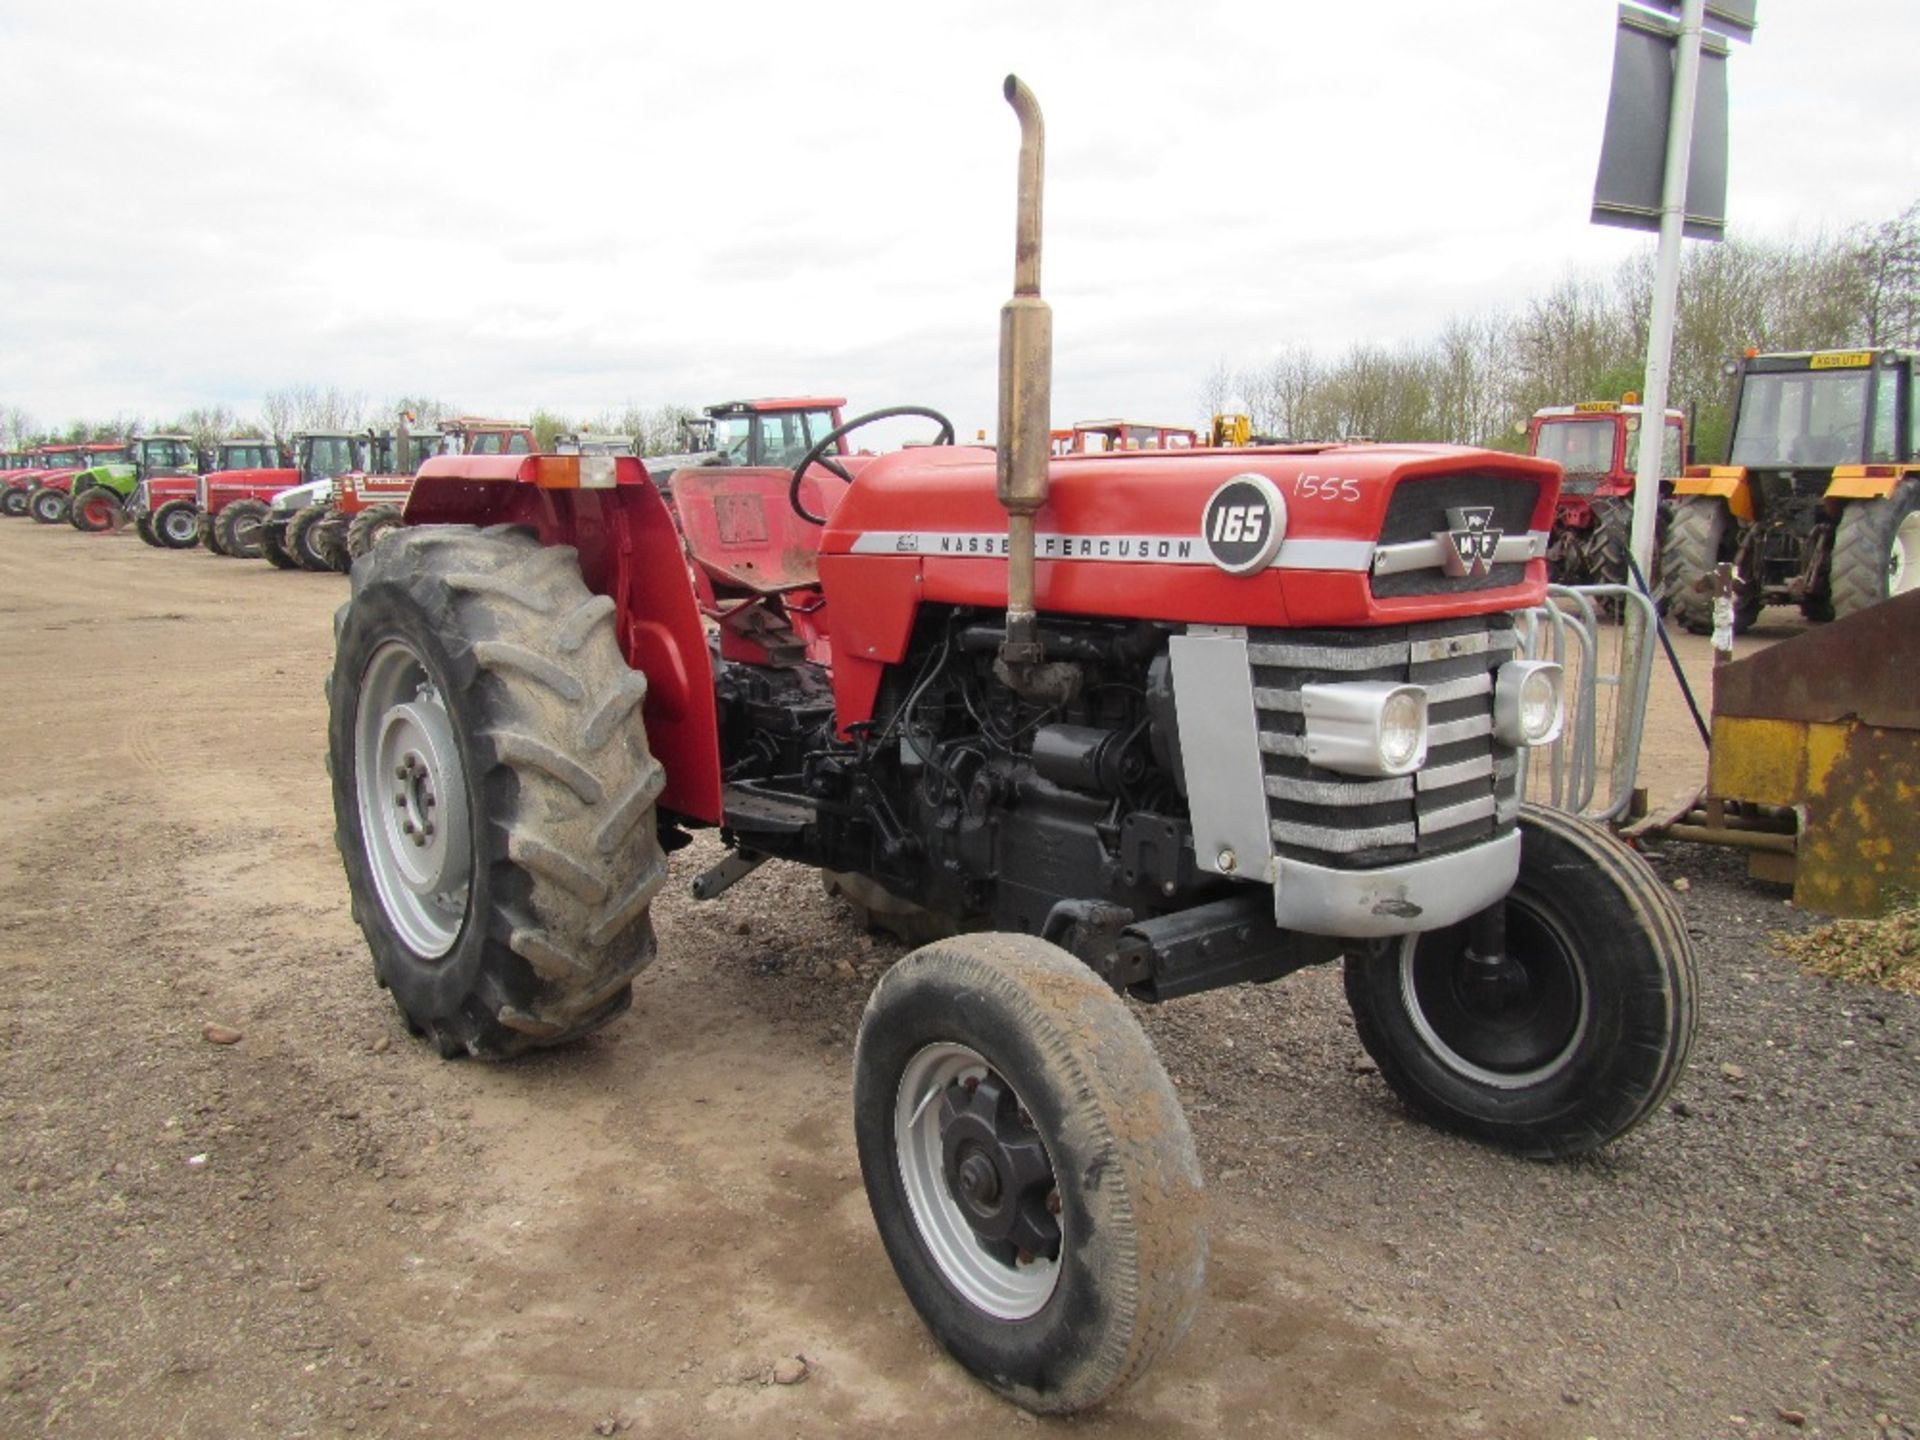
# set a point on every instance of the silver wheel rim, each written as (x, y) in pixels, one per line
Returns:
(1005, 1292)
(1903, 556)
(1460, 1064)
(182, 526)
(412, 795)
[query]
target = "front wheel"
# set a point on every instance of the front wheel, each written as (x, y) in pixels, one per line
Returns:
(366, 528)
(240, 529)
(49, 506)
(1876, 550)
(96, 509)
(302, 537)
(493, 793)
(1576, 1038)
(1029, 1168)
(143, 527)
(13, 502)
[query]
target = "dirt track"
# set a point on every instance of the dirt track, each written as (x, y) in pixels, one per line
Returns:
(323, 1229)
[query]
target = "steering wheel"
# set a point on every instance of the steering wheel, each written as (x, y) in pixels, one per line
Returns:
(818, 454)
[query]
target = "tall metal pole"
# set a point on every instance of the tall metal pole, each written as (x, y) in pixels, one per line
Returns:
(1660, 323)
(1666, 283)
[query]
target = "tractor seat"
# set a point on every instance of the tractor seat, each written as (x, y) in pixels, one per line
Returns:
(740, 529)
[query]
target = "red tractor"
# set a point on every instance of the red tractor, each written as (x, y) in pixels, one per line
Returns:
(48, 497)
(1597, 446)
(1142, 723)
(334, 529)
(235, 504)
(17, 479)
(166, 507)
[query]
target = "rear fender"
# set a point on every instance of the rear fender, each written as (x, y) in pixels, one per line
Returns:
(1725, 482)
(1867, 482)
(630, 551)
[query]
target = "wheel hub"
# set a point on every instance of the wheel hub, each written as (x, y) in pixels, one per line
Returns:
(413, 810)
(997, 1169)
(1903, 556)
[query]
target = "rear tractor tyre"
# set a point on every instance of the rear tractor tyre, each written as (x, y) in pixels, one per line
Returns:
(48, 506)
(241, 529)
(207, 531)
(366, 528)
(1583, 1035)
(13, 502)
(1876, 550)
(95, 510)
(301, 538)
(493, 792)
(1700, 535)
(1029, 1168)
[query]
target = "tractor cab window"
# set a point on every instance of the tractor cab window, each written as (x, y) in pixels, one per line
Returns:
(733, 437)
(1802, 417)
(779, 438)
(122, 456)
(1886, 427)
(1582, 447)
(166, 454)
(1670, 461)
(63, 460)
(424, 448)
(328, 456)
(517, 444)
(488, 444)
(248, 457)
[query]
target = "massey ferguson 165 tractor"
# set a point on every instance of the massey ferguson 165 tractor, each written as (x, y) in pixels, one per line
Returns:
(1131, 724)
(1818, 504)
(166, 507)
(1597, 445)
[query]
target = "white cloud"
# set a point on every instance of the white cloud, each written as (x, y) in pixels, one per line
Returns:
(578, 205)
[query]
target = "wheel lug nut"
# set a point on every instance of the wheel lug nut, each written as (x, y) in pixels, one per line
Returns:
(406, 827)
(1025, 1257)
(400, 772)
(427, 829)
(400, 801)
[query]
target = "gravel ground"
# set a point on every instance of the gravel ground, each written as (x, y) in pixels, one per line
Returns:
(320, 1229)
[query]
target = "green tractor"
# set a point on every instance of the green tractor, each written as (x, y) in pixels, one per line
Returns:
(101, 495)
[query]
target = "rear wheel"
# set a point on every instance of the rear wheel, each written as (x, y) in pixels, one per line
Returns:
(1029, 1168)
(493, 791)
(1700, 535)
(239, 529)
(49, 506)
(1876, 550)
(1581, 1034)
(96, 509)
(301, 538)
(366, 528)
(13, 501)
(330, 539)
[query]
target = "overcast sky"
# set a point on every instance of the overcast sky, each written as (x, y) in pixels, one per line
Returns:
(580, 205)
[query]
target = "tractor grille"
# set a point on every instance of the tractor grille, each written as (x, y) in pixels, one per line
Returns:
(1580, 483)
(1418, 511)
(1468, 789)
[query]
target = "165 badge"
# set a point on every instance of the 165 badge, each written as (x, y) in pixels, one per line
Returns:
(1243, 524)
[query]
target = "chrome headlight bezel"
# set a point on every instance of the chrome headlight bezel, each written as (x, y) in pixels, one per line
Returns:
(1511, 700)
(1352, 727)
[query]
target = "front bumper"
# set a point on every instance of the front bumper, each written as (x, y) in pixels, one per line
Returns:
(1394, 899)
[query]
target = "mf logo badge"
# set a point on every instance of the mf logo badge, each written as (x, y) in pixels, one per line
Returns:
(1467, 550)
(1243, 524)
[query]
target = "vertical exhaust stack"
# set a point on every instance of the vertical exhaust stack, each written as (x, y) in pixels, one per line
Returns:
(1026, 394)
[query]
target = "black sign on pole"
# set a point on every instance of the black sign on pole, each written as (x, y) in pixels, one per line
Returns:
(1633, 154)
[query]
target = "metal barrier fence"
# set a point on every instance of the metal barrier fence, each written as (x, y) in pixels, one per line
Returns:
(1589, 771)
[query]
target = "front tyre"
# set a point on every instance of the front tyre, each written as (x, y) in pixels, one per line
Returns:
(1029, 1168)
(366, 528)
(49, 506)
(241, 528)
(1582, 1035)
(302, 538)
(1701, 533)
(13, 502)
(493, 792)
(95, 510)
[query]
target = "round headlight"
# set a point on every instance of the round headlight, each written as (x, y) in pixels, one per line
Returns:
(1402, 727)
(1539, 706)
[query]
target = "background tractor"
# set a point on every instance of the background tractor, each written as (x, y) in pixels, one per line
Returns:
(1142, 723)
(1597, 446)
(311, 526)
(1818, 504)
(103, 495)
(166, 507)
(234, 504)
(49, 498)
(16, 480)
